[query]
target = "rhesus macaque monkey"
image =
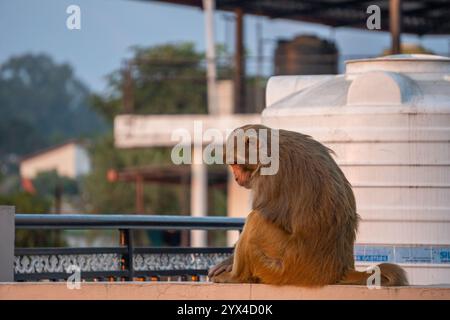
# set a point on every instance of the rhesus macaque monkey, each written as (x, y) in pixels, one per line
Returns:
(303, 224)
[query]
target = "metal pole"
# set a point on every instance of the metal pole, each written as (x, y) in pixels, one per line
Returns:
(260, 52)
(199, 193)
(239, 64)
(58, 197)
(395, 25)
(126, 240)
(259, 49)
(211, 74)
(127, 95)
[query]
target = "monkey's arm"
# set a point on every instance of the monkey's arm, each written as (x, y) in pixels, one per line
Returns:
(224, 266)
(258, 255)
(239, 270)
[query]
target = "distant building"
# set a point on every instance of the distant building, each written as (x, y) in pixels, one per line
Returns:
(305, 55)
(70, 160)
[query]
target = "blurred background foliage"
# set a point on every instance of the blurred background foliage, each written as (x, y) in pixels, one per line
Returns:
(43, 103)
(103, 196)
(162, 84)
(25, 202)
(165, 81)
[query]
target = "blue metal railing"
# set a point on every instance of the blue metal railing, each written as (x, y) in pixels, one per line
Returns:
(128, 262)
(125, 262)
(119, 221)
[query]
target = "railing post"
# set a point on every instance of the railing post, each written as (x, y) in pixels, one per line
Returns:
(199, 194)
(7, 230)
(126, 239)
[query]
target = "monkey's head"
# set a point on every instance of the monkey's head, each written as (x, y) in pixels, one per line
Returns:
(243, 174)
(247, 152)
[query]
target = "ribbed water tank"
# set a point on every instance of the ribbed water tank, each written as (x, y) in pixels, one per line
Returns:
(388, 120)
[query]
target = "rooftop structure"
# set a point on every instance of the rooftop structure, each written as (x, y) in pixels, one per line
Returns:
(69, 159)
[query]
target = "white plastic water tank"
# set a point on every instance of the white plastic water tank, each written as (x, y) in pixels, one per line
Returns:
(388, 120)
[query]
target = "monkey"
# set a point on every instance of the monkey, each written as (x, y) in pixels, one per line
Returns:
(302, 227)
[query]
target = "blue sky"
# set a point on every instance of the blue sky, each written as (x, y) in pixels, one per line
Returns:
(110, 27)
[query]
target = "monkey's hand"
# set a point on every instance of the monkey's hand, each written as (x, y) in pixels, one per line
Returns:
(224, 277)
(224, 266)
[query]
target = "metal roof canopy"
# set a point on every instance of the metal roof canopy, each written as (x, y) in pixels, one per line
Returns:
(418, 16)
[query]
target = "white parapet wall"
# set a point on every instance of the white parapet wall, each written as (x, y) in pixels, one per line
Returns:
(134, 131)
(210, 291)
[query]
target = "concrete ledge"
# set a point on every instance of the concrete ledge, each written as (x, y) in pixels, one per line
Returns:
(200, 291)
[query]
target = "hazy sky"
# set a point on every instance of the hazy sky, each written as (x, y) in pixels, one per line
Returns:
(110, 27)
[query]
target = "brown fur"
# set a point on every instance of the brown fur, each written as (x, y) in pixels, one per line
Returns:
(303, 224)
(391, 275)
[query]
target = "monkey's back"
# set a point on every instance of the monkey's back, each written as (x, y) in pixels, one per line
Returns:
(314, 203)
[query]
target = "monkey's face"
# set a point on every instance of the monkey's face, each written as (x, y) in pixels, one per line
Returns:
(243, 174)
(243, 155)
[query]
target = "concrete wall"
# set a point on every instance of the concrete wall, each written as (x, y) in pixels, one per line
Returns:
(7, 228)
(143, 131)
(201, 291)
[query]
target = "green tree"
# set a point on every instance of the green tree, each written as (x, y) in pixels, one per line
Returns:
(46, 182)
(27, 203)
(103, 196)
(167, 79)
(42, 103)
